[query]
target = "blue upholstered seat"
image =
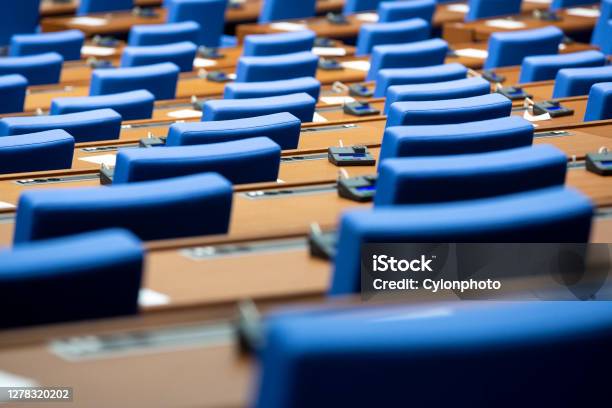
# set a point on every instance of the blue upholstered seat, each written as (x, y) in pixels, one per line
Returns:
(181, 54)
(561, 4)
(578, 81)
(459, 88)
(549, 215)
(21, 19)
(159, 79)
(479, 353)
(410, 55)
(100, 124)
(38, 69)
(599, 106)
(49, 150)
(459, 138)
(603, 29)
(415, 180)
(272, 10)
(83, 276)
(389, 11)
(301, 105)
(420, 75)
(260, 45)
(276, 67)
(66, 43)
(283, 128)
(253, 160)
(99, 6)
(209, 14)
(399, 32)
(171, 208)
(545, 67)
(12, 93)
(159, 34)
(491, 106)
(479, 9)
(356, 6)
(242, 90)
(130, 105)
(509, 48)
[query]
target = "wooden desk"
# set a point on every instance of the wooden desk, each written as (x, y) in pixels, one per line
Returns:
(481, 30)
(121, 22)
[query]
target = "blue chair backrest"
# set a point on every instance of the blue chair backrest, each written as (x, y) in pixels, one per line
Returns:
(283, 128)
(159, 34)
(209, 14)
(38, 69)
(549, 215)
(171, 208)
(510, 48)
(260, 45)
(561, 4)
(276, 67)
(479, 9)
(599, 106)
(18, 17)
(578, 81)
(66, 43)
(273, 10)
(159, 79)
(491, 106)
(307, 351)
(181, 54)
(357, 6)
(389, 11)
(253, 160)
(399, 32)
(242, 90)
(459, 138)
(90, 126)
(420, 75)
(70, 278)
(603, 30)
(300, 105)
(49, 150)
(130, 105)
(98, 6)
(416, 180)
(545, 67)
(12, 93)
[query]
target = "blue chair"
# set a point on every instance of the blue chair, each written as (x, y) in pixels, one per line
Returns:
(479, 9)
(159, 79)
(261, 45)
(273, 10)
(181, 54)
(476, 108)
(18, 18)
(459, 138)
(603, 28)
(209, 14)
(399, 32)
(578, 81)
(70, 278)
(50, 150)
(38, 69)
(253, 160)
(301, 105)
(410, 55)
(530, 346)
(130, 105)
(159, 34)
(171, 208)
(459, 88)
(12, 93)
(561, 4)
(545, 67)
(90, 126)
(419, 180)
(357, 6)
(549, 215)
(420, 75)
(276, 67)
(510, 48)
(389, 11)
(599, 106)
(66, 43)
(99, 6)
(283, 128)
(242, 90)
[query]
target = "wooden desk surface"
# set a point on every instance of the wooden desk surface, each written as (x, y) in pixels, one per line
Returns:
(481, 30)
(121, 22)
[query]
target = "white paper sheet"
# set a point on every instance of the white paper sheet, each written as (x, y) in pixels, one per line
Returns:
(204, 63)
(6, 206)
(329, 51)
(317, 118)
(528, 116)
(336, 100)
(367, 17)
(107, 159)
(185, 114)
(472, 53)
(97, 51)
(286, 26)
(89, 21)
(583, 12)
(507, 24)
(149, 297)
(458, 8)
(357, 65)
(12, 380)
